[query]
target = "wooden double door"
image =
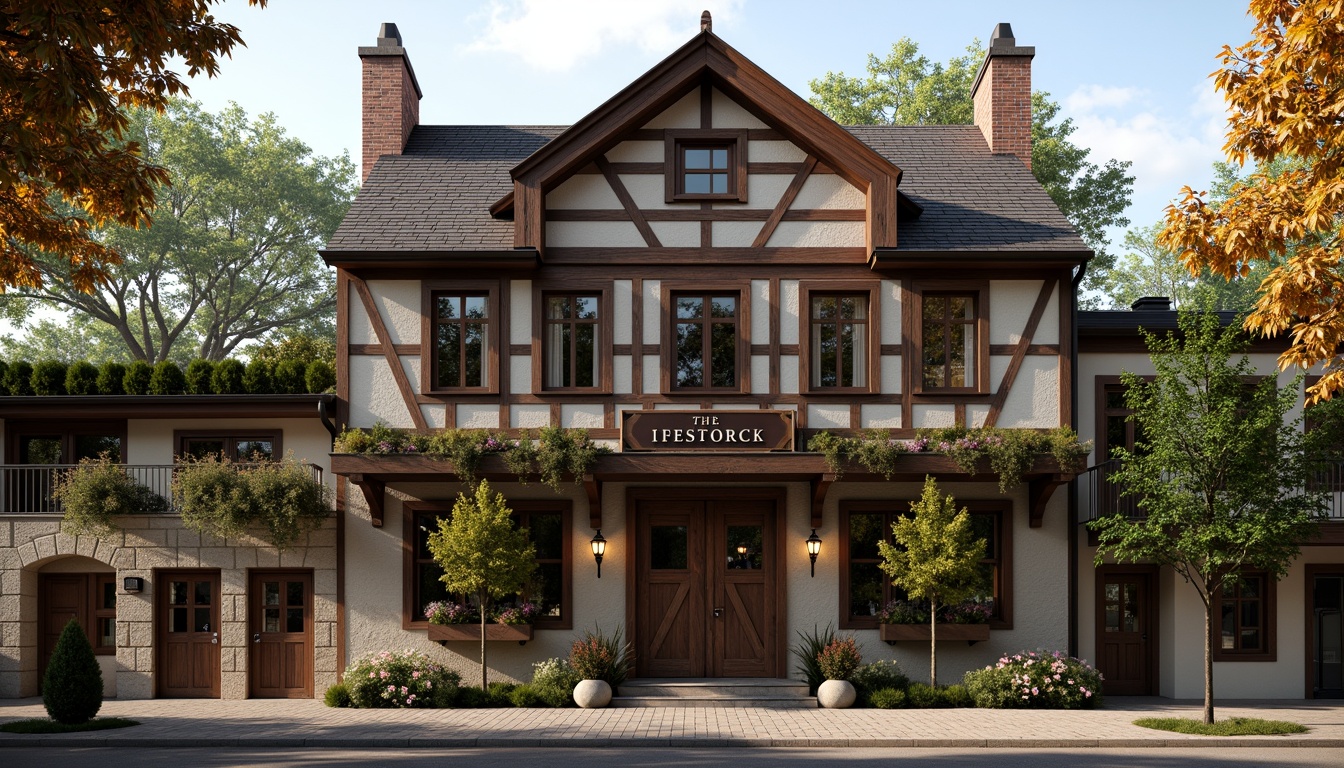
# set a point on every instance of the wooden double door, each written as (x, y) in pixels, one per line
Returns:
(707, 587)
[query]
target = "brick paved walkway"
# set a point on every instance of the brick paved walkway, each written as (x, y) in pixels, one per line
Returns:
(309, 723)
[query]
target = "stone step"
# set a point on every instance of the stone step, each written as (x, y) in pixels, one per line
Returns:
(714, 692)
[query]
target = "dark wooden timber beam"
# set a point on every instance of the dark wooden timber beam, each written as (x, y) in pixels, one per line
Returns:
(1039, 491)
(594, 488)
(821, 485)
(374, 493)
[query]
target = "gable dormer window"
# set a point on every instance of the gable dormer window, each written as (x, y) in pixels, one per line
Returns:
(706, 165)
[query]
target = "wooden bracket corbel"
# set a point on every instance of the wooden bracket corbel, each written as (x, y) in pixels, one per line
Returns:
(594, 488)
(821, 485)
(374, 492)
(1039, 491)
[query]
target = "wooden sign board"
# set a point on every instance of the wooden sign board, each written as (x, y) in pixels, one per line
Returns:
(725, 431)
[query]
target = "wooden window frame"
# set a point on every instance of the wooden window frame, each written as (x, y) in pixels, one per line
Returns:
(670, 290)
(16, 429)
(542, 290)
(409, 617)
(181, 436)
(734, 140)
(1003, 567)
(807, 291)
(97, 613)
(1269, 625)
(429, 358)
(978, 290)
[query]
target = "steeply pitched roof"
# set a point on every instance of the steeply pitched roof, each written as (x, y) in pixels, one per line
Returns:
(436, 196)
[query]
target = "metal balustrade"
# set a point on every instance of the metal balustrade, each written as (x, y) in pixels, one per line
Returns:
(26, 489)
(1100, 496)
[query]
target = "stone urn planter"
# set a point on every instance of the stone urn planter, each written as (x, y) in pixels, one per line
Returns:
(835, 694)
(592, 694)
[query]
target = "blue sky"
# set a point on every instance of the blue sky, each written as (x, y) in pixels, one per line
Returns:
(1133, 76)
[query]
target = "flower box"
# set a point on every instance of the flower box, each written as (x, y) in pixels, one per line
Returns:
(459, 633)
(971, 633)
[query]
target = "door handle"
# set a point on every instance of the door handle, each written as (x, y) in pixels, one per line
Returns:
(1144, 637)
(214, 638)
(718, 613)
(256, 637)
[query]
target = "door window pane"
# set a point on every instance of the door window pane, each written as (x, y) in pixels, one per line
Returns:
(177, 593)
(107, 633)
(294, 593)
(202, 622)
(177, 620)
(667, 547)
(40, 450)
(108, 598)
(203, 593)
(744, 547)
(270, 591)
(293, 619)
(271, 620)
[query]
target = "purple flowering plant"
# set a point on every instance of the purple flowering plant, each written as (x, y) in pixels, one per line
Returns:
(514, 615)
(1036, 680)
(446, 612)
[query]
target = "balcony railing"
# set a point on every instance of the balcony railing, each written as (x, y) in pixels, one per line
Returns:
(26, 489)
(1100, 496)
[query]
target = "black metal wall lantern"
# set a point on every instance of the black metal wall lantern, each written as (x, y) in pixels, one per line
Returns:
(813, 549)
(132, 584)
(599, 545)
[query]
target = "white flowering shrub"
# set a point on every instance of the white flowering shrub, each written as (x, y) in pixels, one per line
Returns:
(1036, 680)
(400, 680)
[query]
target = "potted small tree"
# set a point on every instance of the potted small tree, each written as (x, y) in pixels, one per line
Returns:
(837, 661)
(483, 554)
(936, 558)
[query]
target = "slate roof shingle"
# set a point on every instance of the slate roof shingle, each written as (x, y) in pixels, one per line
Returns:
(436, 195)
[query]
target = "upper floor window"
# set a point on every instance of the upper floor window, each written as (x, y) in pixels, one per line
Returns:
(460, 336)
(952, 342)
(705, 339)
(234, 445)
(706, 165)
(571, 340)
(838, 335)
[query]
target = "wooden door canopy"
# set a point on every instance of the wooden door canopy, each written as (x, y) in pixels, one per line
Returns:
(705, 59)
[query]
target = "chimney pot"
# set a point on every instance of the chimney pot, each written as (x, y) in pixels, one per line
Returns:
(388, 36)
(706, 22)
(1003, 36)
(1151, 304)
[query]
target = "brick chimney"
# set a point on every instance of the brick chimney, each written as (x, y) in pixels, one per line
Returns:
(391, 97)
(1002, 95)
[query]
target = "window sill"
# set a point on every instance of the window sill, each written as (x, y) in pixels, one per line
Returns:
(1224, 658)
(451, 633)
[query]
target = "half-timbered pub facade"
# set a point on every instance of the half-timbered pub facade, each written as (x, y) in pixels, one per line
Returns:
(704, 272)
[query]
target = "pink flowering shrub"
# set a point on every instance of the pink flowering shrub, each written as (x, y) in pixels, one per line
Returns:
(1036, 680)
(399, 681)
(522, 613)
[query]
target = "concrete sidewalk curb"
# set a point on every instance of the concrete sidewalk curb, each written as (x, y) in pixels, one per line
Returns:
(65, 741)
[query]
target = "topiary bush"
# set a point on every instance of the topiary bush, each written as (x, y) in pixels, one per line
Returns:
(198, 376)
(1036, 680)
(48, 378)
(137, 378)
(227, 378)
(288, 378)
(257, 378)
(72, 689)
(19, 378)
(111, 379)
(167, 379)
(81, 378)
(320, 377)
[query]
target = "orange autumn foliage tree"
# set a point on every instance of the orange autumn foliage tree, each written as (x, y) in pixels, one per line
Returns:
(67, 68)
(1285, 90)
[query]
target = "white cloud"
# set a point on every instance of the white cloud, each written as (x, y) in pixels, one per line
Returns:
(1092, 97)
(557, 34)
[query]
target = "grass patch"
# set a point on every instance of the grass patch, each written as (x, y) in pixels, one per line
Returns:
(44, 725)
(1233, 726)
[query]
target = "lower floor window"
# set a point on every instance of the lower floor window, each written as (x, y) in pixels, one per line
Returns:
(1243, 621)
(865, 589)
(547, 524)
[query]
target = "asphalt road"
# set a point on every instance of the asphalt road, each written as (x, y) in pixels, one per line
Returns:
(1239, 757)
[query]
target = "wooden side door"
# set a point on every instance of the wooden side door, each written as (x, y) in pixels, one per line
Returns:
(188, 631)
(61, 597)
(670, 587)
(743, 563)
(1126, 631)
(280, 616)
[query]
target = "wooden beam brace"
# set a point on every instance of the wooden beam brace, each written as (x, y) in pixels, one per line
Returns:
(594, 488)
(1039, 491)
(389, 353)
(374, 493)
(1023, 344)
(622, 194)
(786, 200)
(821, 485)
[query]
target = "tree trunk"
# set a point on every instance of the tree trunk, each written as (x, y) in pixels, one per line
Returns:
(1208, 662)
(481, 602)
(933, 644)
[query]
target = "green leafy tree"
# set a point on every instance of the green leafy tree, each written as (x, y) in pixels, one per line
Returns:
(936, 557)
(72, 689)
(482, 552)
(905, 88)
(231, 257)
(1219, 472)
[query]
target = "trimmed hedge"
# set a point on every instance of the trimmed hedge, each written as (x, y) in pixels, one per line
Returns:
(201, 377)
